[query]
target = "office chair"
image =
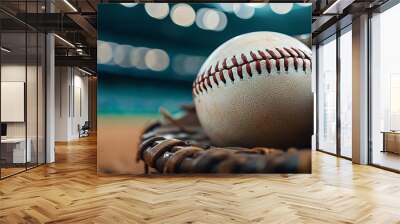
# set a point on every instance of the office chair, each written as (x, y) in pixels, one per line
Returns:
(84, 130)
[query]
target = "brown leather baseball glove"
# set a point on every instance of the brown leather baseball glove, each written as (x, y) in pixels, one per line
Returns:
(181, 146)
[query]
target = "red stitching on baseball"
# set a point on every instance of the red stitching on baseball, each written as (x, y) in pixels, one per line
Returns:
(276, 58)
(285, 58)
(267, 62)
(244, 58)
(203, 86)
(208, 82)
(230, 74)
(258, 66)
(302, 57)
(221, 76)
(248, 70)
(254, 56)
(215, 79)
(224, 64)
(234, 61)
(217, 67)
(295, 59)
(240, 72)
(203, 81)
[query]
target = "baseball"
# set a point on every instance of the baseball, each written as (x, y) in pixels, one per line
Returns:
(255, 90)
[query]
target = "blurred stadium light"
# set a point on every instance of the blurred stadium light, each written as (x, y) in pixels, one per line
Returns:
(129, 48)
(282, 8)
(157, 10)
(211, 19)
(129, 5)
(183, 14)
(243, 11)
(257, 4)
(156, 60)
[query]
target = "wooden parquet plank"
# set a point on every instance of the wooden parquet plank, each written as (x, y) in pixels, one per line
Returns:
(70, 191)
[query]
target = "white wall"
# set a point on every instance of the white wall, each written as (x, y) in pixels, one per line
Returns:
(80, 111)
(13, 72)
(71, 102)
(62, 81)
(33, 126)
(13, 101)
(17, 73)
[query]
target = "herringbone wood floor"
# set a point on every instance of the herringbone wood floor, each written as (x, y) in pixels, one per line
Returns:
(70, 191)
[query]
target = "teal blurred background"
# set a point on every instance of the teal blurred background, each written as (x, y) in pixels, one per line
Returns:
(149, 54)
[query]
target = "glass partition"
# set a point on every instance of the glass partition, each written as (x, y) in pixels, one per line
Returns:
(14, 153)
(385, 89)
(32, 95)
(41, 96)
(327, 95)
(346, 92)
(22, 77)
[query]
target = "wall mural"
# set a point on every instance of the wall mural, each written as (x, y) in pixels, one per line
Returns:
(204, 88)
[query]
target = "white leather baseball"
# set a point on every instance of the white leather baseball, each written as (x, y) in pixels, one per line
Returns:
(255, 90)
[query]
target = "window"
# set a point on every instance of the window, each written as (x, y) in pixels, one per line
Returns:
(385, 89)
(346, 92)
(327, 95)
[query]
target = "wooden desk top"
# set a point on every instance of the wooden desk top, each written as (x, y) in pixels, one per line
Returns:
(391, 132)
(13, 140)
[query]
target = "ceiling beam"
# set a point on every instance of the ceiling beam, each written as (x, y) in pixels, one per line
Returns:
(49, 22)
(84, 24)
(321, 23)
(337, 7)
(80, 20)
(81, 61)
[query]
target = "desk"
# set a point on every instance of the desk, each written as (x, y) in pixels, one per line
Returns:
(13, 150)
(391, 141)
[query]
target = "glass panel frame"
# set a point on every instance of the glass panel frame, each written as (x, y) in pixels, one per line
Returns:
(32, 98)
(384, 133)
(345, 93)
(13, 74)
(27, 59)
(327, 74)
(340, 89)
